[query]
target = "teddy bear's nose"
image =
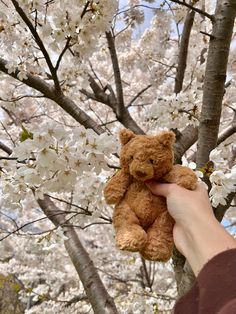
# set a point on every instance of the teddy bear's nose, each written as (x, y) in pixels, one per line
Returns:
(140, 174)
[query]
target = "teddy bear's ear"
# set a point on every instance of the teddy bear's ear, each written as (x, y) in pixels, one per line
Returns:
(166, 138)
(125, 136)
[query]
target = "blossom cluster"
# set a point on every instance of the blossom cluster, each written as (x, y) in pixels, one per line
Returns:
(223, 179)
(56, 160)
(176, 111)
(77, 24)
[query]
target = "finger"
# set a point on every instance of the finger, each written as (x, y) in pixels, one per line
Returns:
(162, 189)
(201, 186)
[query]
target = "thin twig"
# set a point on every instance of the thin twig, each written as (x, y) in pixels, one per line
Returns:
(5, 148)
(4, 3)
(69, 203)
(9, 135)
(138, 6)
(67, 45)
(38, 41)
(29, 223)
(146, 274)
(21, 97)
(209, 16)
(88, 225)
(85, 210)
(138, 95)
(10, 218)
(109, 122)
(85, 9)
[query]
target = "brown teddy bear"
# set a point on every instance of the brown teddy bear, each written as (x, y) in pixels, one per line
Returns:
(141, 220)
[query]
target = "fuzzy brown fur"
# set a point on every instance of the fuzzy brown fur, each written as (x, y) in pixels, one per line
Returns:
(141, 220)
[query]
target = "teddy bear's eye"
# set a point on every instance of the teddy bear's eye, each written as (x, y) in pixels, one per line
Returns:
(151, 161)
(131, 157)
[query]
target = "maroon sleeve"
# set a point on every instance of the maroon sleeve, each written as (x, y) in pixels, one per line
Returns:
(215, 289)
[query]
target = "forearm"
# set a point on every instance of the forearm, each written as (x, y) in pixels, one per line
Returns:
(204, 240)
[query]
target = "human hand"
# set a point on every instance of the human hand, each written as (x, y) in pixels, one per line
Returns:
(184, 206)
(197, 234)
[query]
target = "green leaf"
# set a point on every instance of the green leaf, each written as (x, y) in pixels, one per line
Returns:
(28, 290)
(25, 134)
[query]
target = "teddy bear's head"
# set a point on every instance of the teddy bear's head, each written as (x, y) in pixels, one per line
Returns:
(146, 157)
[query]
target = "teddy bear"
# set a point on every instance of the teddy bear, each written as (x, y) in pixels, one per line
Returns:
(140, 219)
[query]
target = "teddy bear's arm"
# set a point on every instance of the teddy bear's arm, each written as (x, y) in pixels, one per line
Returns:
(182, 176)
(116, 187)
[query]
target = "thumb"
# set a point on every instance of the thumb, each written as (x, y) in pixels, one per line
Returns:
(161, 189)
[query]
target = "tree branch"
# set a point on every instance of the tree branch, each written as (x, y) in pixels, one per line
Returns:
(116, 70)
(204, 13)
(27, 224)
(5, 148)
(183, 51)
(67, 45)
(97, 294)
(111, 101)
(146, 274)
(184, 141)
(121, 111)
(51, 93)
(39, 43)
(230, 130)
(220, 210)
(138, 95)
(214, 83)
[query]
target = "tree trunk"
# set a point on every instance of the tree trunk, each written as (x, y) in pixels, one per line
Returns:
(101, 301)
(215, 77)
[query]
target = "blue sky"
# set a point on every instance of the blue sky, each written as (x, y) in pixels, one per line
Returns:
(148, 14)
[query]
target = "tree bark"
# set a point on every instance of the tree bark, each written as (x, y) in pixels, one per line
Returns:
(101, 301)
(186, 139)
(215, 77)
(117, 76)
(183, 51)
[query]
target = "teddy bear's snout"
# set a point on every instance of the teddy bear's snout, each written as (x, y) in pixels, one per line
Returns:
(140, 174)
(141, 171)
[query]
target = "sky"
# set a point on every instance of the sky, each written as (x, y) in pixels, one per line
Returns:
(148, 14)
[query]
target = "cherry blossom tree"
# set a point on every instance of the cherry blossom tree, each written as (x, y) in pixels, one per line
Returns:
(73, 73)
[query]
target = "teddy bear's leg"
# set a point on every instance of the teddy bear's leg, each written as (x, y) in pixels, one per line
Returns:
(160, 239)
(130, 236)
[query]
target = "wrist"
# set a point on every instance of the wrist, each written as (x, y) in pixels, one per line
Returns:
(204, 240)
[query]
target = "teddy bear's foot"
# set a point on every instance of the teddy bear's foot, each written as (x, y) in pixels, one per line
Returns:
(155, 251)
(132, 239)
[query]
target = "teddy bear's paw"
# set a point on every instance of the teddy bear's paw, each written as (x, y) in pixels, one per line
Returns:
(111, 198)
(132, 239)
(188, 182)
(159, 253)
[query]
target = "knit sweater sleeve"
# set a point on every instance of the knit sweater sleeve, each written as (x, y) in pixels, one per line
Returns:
(214, 291)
